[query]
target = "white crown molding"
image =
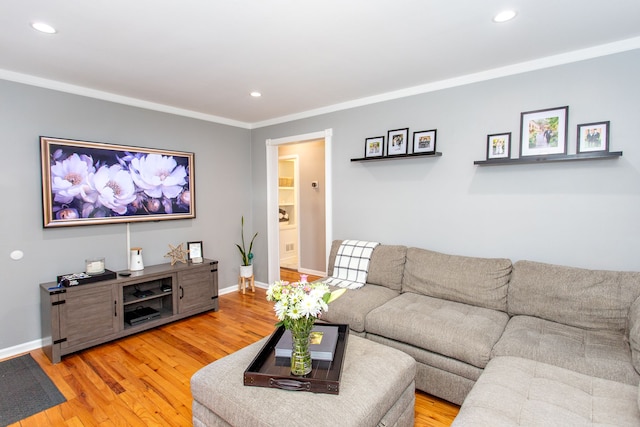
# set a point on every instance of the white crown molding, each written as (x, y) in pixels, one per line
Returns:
(119, 99)
(523, 67)
(510, 70)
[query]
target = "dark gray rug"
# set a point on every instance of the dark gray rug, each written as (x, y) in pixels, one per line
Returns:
(25, 390)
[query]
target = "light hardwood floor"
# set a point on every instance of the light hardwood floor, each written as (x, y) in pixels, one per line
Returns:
(143, 380)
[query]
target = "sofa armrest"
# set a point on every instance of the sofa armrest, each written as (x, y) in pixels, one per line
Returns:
(634, 333)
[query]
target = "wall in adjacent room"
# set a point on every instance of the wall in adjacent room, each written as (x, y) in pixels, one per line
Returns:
(311, 203)
(223, 194)
(584, 214)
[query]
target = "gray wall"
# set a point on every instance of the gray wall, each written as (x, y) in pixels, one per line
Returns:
(583, 214)
(223, 194)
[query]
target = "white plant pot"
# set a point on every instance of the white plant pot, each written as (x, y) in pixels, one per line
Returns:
(246, 270)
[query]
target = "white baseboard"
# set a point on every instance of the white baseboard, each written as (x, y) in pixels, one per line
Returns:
(234, 288)
(20, 348)
(312, 272)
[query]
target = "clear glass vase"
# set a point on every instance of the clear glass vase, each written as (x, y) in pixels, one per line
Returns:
(300, 355)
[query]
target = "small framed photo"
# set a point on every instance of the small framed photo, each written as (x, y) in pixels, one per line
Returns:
(397, 141)
(499, 146)
(373, 147)
(424, 141)
(544, 132)
(194, 252)
(593, 137)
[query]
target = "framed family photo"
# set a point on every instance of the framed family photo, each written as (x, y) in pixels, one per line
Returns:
(194, 251)
(424, 141)
(544, 132)
(397, 141)
(593, 137)
(499, 146)
(373, 147)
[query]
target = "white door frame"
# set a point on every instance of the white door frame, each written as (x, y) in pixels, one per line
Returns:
(273, 230)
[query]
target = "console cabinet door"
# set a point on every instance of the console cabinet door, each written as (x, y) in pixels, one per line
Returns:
(197, 289)
(88, 315)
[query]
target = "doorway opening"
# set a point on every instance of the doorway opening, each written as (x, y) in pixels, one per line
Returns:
(309, 206)
(289, 211)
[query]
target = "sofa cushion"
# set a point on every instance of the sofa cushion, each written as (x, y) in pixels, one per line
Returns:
(634, 333)
(478, 281)
(603, 354)
(461, 331)
(435, 360)
(592, 299)
(354, 305)
(519, 392)
(385, 267)
(437, 375)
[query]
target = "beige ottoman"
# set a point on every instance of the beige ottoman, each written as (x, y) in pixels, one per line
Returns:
(377, 388)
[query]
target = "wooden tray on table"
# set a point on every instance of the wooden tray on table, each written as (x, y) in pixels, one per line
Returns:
(267, 370)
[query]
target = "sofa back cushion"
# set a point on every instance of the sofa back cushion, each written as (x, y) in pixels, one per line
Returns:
(589, 299)
(477, 281)
(385, 268)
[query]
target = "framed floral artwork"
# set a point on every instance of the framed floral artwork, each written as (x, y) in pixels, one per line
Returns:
(424, 141)
(593, 137)
(544, 132)
(499, 146)
(88, 183)
(397, 141)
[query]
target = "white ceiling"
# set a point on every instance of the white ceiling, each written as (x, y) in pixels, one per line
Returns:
(203, 57)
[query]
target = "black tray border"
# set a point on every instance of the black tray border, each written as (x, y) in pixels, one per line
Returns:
(291, 382)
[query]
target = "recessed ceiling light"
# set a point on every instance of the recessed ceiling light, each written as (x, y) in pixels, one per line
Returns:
(43, 28)
(256, 94)
(504, 16)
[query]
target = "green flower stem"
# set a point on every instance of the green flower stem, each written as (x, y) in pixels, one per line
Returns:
(300, 356)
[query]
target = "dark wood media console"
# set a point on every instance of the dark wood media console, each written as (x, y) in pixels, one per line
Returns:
(77, 317)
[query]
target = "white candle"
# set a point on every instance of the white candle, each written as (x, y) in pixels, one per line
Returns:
(94, 266)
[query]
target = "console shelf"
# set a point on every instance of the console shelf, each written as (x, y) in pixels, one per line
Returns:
(399, 156)
(77, 317)
(146, 291)
(550, 158)
(135, 300)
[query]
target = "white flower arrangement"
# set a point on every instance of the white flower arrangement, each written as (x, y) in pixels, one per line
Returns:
(299, 304)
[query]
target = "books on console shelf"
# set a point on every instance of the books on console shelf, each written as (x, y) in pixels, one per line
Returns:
(322, 347)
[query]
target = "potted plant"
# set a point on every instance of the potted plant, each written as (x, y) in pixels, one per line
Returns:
(246, 268)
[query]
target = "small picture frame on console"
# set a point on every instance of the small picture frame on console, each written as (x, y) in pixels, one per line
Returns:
(194, 252)
(397, 141)
(374, 147)
(424, 141)
(499, 146)
(593, 137)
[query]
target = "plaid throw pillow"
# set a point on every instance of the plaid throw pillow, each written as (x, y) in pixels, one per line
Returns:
(351, 265)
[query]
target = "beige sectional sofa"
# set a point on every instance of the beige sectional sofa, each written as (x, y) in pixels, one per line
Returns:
(520, 344)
